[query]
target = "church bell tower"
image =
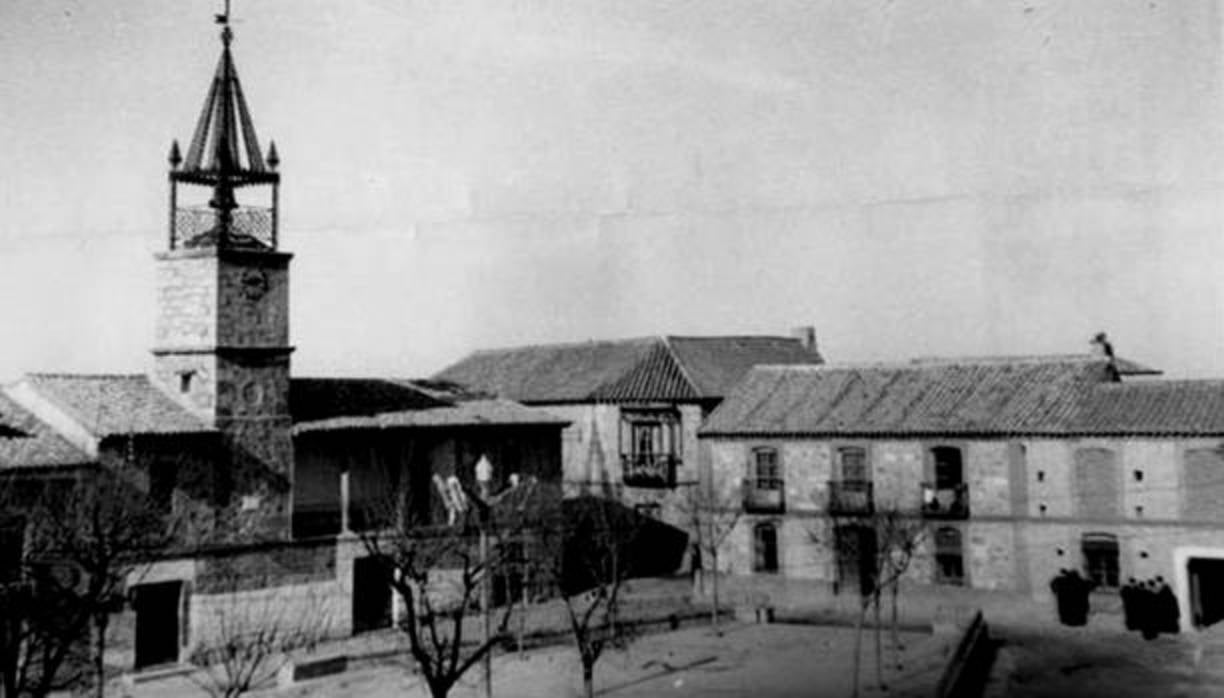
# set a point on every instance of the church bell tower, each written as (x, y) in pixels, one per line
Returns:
(222, 330)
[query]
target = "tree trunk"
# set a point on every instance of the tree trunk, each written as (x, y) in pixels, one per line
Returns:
(858, 647)
(896, 630)
(101, 621)
(588, 679)
(879, 642)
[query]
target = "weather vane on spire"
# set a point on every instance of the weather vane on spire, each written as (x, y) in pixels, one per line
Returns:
(227, 34)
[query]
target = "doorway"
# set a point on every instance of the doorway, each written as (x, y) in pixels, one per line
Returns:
(1206, 577)
(157, 623)
(856, 557)
(371, 595)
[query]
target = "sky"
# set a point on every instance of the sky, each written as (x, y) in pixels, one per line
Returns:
(965, 177)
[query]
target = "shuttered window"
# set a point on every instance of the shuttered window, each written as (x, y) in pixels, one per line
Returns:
(1096, 483)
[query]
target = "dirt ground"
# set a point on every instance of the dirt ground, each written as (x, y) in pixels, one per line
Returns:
(762, 661)
(1056, 662)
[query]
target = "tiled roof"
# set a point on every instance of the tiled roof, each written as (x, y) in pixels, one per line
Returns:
(1125, 367)
(673, 369)
(468, 413)
(1157, 408)
(318, 399)
(111, 405)
(29, 443)
(987, 397)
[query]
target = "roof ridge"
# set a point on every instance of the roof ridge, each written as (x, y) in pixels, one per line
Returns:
(565, 344)
(731, 336)
(923, 365)
(684, 373)
(89, 376)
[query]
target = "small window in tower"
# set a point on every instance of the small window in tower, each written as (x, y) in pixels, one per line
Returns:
(185, 381)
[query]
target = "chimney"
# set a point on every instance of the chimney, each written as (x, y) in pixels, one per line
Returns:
(806, 336)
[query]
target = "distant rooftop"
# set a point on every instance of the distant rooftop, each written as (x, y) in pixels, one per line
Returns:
(666, 368)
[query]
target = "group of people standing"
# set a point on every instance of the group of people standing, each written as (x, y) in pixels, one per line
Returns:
(1150, 607)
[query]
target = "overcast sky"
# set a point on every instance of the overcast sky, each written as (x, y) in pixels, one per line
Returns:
(911, 177)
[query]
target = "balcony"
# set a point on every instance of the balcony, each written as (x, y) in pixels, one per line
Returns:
(764, 496)
(850, 497)
(948, 502)
(652, 470)
(245, 226)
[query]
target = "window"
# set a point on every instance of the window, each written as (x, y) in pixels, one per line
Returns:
(949, 471)
(765, 548)
(949, 556)
(185, 381)
(767, 473)
(1097, 484)
(853, 462)
(1101, 558)
(650, 447)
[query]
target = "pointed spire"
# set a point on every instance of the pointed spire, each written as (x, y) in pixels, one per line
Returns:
(224, 145)
(273, 158)
(175, 157)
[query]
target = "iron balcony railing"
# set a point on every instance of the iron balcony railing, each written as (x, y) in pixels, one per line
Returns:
(657, 470)
(850, 497)
(947, 502)
(202, 226)
(764, 496)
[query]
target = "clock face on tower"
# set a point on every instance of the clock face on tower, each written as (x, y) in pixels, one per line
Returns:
(254, 284)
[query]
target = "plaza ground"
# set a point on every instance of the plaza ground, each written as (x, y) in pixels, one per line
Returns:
(808, 653)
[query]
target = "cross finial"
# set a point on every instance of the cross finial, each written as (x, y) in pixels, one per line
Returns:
(227, 34)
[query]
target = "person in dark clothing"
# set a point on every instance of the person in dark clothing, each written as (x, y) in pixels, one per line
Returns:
(1130, 613)
(1149, 619)
(1078, 588)
(1167, 608)
(1062, 596)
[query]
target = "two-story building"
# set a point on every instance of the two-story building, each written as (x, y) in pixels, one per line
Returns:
(634, 405)
(1018, 467)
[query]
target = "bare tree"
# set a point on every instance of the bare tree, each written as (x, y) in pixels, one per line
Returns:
(84, 536)
(598, 537)
(711, 510)
(254, 632)
(881, 546)
(438, 570)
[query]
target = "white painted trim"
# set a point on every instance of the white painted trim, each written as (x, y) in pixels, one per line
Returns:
(1181, 578)
(26, 395)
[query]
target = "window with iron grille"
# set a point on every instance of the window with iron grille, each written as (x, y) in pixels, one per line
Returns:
(949, 556)
(1100, 551)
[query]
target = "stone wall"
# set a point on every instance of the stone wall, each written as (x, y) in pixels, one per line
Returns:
(1025, 524)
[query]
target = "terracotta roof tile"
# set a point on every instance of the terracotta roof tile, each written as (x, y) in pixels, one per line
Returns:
(1156, 408)
(468, 413)
(1032, 397)
(111, 405)
(29, 443)
(672, 369)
